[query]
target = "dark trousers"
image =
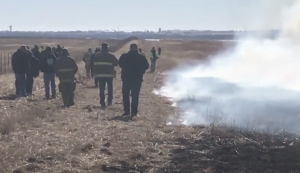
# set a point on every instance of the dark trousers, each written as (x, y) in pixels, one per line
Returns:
(153, 64)
(49, 80)
(29, 83)
(133, 88)
(20, 85)
(102, 81)
(67, 90)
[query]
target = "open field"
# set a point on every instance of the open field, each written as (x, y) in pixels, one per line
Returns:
(39, 136)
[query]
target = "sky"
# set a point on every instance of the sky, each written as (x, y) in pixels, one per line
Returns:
(65, 15)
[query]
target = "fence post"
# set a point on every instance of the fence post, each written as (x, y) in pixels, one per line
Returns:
(1, 66)
(4, 64)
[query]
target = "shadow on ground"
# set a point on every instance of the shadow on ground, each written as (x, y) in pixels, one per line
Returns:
(236, 152)
(8, 97)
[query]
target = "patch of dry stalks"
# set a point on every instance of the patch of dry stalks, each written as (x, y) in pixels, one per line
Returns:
(39, 136)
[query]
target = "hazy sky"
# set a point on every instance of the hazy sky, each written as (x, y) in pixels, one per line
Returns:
(137, 14)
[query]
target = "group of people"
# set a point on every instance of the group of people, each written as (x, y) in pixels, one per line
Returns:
(99, 64)
(27, 65)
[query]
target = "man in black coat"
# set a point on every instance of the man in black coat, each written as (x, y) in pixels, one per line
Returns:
(134, 66)
(33, 71)
(47, 67)
(20, 65)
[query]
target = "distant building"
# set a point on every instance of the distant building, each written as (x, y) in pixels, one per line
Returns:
(159, 30)
(10, 28)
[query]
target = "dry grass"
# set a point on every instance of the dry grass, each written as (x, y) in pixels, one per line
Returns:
(40, 136)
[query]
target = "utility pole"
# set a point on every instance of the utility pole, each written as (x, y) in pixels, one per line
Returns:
(10, 28)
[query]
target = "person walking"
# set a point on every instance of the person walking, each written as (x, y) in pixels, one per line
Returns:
(20, 65)
(92, 75)
(134, 66)
(65, 69)
(87, 60)
(102, 66)
(47, 67)
(153, 59)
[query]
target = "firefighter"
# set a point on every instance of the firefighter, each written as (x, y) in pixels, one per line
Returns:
(96, 51)
(153, 59)
(102, 66)
(47, 67)
(134, 66)
(65, 70)
(87, 59)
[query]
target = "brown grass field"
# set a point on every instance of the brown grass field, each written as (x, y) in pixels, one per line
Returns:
(39, 136)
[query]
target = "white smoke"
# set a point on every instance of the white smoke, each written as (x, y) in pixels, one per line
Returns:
(256, 84)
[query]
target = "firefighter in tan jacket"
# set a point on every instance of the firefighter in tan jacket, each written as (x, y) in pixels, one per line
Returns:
(102, 66)
(65, 69)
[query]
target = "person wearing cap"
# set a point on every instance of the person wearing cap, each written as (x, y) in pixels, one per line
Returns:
(65, 70)
(87, 59)
(47, 67)
(134, 66)
(102, 66)
(92, 75)
(20, 65)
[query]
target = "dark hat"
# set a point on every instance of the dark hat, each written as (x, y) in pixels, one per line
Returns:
(104, 45)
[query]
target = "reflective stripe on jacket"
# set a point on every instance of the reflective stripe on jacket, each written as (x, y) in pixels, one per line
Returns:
(65, 69)
(103, 64)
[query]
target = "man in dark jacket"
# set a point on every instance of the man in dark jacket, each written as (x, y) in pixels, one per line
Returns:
(102, 66)
(133, 66)
(153, 58)
(33, 71)
(47, 67)
(36, 52)
(65, 70)
(55, 52)
(20, 65)
(96, 51)
(59, 49)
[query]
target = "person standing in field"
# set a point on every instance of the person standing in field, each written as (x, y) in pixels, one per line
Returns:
(142, 52)
(159, 51)
(96, 51)
(87, 60)
(153, 59)
(134, 66)
(33, 71)
(102, 66)
(47, 67)
(65, 69)
(20, 65)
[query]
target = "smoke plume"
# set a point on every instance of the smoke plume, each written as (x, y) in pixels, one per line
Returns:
(255, 85)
